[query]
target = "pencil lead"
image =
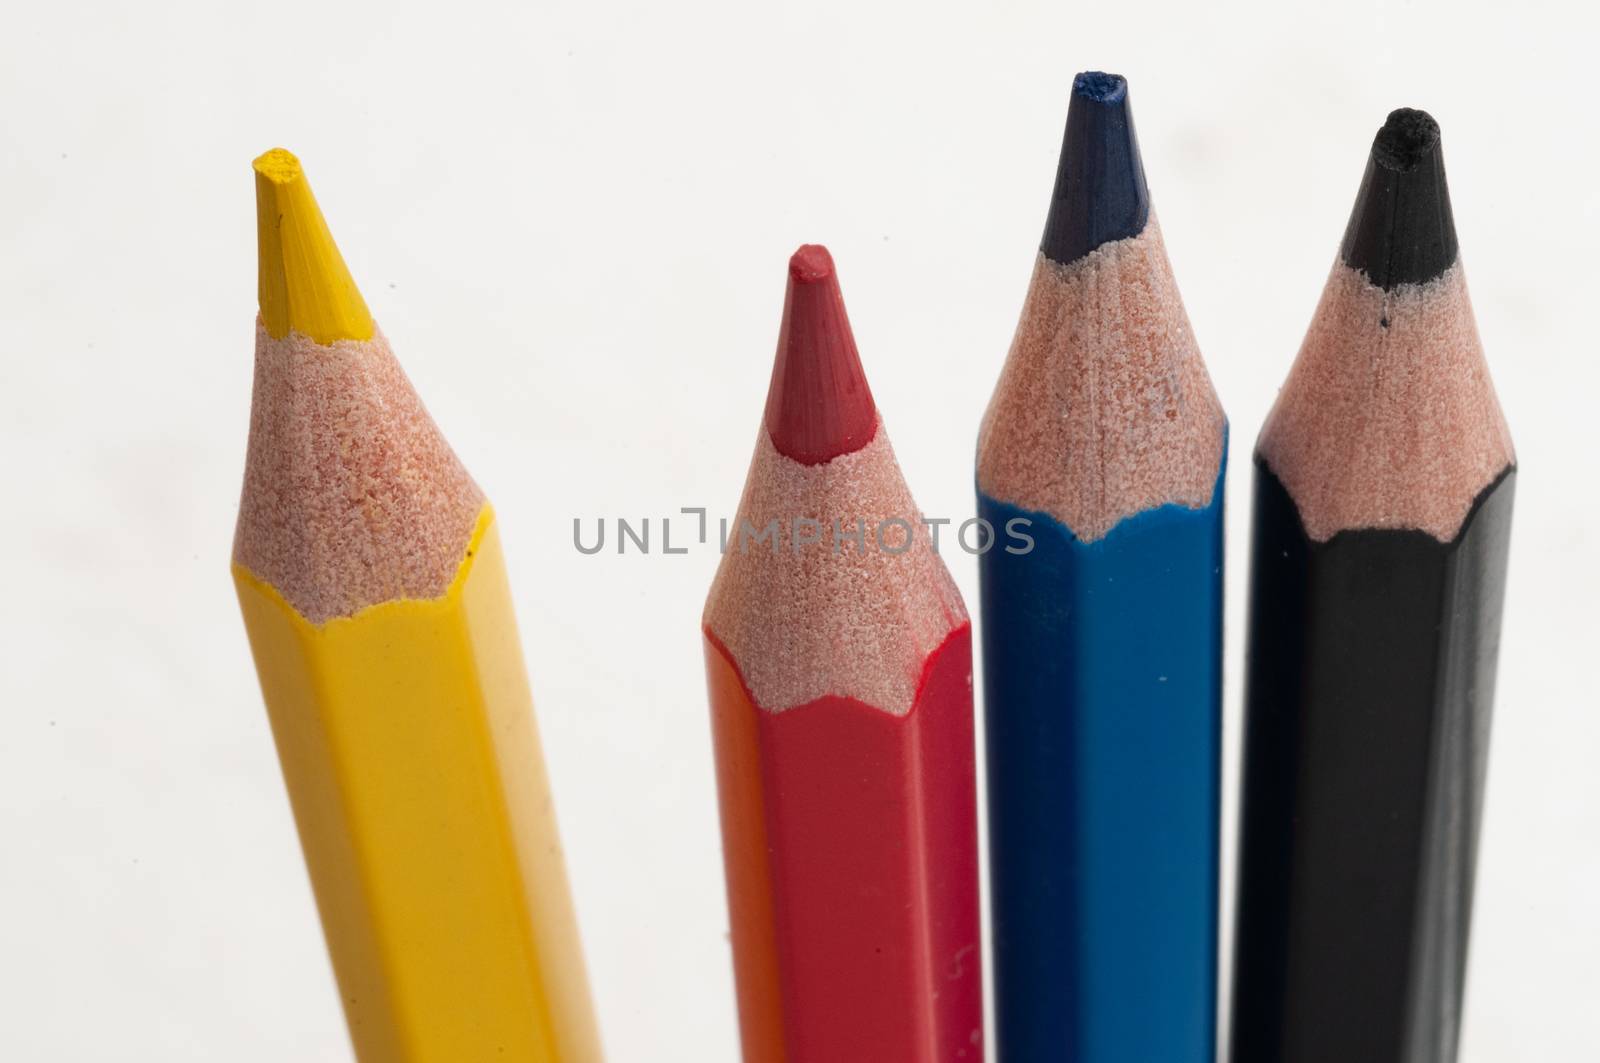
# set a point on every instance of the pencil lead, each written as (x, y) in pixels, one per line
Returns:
(818, 404)
(1100, 193)
(1402, 230)
(303, 284)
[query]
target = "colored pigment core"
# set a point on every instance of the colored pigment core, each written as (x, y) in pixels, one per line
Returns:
(303, 284)
(818, 404)
(1099, 86)
(1406, 139)
(1100, 192)
(1402, 230)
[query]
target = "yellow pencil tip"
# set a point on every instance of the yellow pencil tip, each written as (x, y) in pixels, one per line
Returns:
(278, 166)
(304, 284)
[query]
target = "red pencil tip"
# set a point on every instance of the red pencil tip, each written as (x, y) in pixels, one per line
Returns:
(818, 405)
(811, 263)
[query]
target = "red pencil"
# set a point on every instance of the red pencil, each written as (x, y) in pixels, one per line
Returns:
(839, 660)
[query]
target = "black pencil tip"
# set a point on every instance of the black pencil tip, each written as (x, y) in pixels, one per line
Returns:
(1402, 230)
(1406, 139)
(1100, 192)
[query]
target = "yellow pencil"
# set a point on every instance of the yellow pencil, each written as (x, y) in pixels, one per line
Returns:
(370, 574)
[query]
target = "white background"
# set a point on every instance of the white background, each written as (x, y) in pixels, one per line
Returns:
(572, 222)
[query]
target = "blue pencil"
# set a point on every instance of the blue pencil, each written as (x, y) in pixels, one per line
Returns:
(1100, 471)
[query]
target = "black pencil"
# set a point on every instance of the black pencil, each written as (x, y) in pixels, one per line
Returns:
(1384, 480)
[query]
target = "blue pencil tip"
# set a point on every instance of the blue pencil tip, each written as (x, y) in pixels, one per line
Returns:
(1100, 87)
(1100, 192)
